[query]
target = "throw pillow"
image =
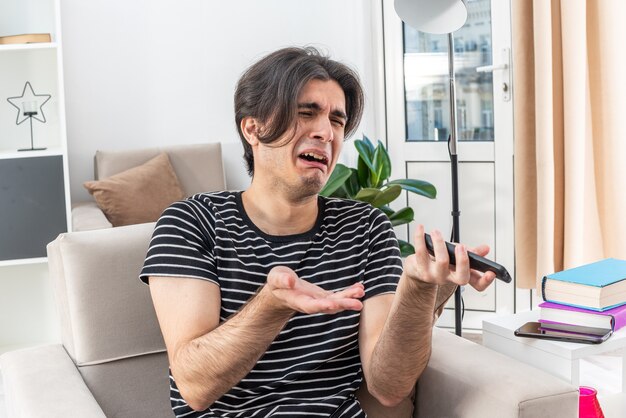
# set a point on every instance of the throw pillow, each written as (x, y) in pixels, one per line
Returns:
(137, 195)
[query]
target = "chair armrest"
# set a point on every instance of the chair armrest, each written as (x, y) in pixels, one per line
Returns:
(44, 382)
(87, 216)
(464, 379)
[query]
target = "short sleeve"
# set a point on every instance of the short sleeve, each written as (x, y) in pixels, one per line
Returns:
(182, 244)
(384, 264)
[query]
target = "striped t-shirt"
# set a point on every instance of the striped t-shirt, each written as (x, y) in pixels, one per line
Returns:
(313, 366)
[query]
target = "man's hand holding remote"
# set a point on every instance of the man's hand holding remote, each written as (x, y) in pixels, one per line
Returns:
(438, 270)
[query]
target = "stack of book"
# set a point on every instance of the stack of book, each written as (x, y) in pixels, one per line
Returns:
(593, 295)
(27, 38)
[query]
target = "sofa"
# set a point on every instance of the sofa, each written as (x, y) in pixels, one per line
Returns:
(198, 167)
(112, 361)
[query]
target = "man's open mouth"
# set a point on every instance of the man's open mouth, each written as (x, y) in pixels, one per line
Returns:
(312, 157)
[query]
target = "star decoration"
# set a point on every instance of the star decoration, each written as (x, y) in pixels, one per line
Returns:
(29, 96)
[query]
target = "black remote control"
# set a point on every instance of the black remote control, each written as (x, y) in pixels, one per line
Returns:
(476, 262)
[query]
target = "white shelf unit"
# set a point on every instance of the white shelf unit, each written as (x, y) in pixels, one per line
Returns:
(32, 181)
(23, 261)
(38, 66)
(51, 151)
(27, 47)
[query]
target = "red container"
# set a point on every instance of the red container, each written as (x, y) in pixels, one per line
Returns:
(588, 405)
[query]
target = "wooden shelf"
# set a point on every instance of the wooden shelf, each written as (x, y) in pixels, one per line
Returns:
(28, 47)
(23, 261)
(8, 154)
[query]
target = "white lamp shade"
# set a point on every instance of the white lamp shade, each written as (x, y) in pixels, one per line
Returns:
(432, 16)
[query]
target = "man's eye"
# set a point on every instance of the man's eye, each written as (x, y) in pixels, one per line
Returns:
(338, 123)
(306, 114)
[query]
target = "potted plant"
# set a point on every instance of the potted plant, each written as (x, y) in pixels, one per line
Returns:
(370, 183)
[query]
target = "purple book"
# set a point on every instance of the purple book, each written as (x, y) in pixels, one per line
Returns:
(614, 318)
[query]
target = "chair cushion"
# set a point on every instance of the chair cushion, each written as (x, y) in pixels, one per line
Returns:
(136, 387)
(137, 195)
(106, 312)
(42, 381)
(375, 409)
(199, 167)
(87, 216)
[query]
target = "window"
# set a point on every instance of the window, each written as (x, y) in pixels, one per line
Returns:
(426, 80)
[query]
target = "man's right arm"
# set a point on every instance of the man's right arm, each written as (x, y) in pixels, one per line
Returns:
(207, 359)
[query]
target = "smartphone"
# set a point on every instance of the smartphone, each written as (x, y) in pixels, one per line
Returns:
(476, 262)
(564, 332)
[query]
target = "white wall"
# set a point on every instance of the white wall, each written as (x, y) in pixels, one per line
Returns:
(149, 73)
(160, 72)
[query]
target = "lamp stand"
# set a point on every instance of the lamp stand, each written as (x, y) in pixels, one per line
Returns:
(439, 17)
(454, 166)
(32, 147)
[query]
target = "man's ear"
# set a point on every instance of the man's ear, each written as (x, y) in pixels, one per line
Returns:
(250, 128)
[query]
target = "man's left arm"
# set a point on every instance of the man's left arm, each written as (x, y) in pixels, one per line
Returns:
(395, 332)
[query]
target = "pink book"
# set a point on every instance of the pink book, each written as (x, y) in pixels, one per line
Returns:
(614, 318)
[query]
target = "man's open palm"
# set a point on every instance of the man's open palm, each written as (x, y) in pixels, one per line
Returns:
(301, 296)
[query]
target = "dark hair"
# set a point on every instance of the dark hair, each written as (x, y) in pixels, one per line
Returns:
(269, 90)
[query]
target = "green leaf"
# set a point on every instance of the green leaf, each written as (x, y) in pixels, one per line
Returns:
(406, 249)
(399, 222)
(363, 173)
(365, 153)
(386, 196)
(401, 217)
(367, 194)
(352, 185)
(375, 172)
(387, 210)
(384, 161)
(369, 144)
(419, 187)
(341, 192)
(337, 178)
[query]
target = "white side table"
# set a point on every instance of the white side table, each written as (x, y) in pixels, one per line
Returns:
(561, 359)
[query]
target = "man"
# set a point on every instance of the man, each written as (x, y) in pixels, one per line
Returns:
(275, 301)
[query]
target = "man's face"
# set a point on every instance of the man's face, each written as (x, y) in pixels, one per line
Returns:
(300, 164)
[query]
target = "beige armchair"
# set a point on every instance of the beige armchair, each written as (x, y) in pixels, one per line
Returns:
(112, 361)
(198, 167)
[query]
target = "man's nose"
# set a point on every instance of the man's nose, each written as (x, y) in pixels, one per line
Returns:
(323, 130)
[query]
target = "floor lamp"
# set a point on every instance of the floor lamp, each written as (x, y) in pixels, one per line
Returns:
(442, 17)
